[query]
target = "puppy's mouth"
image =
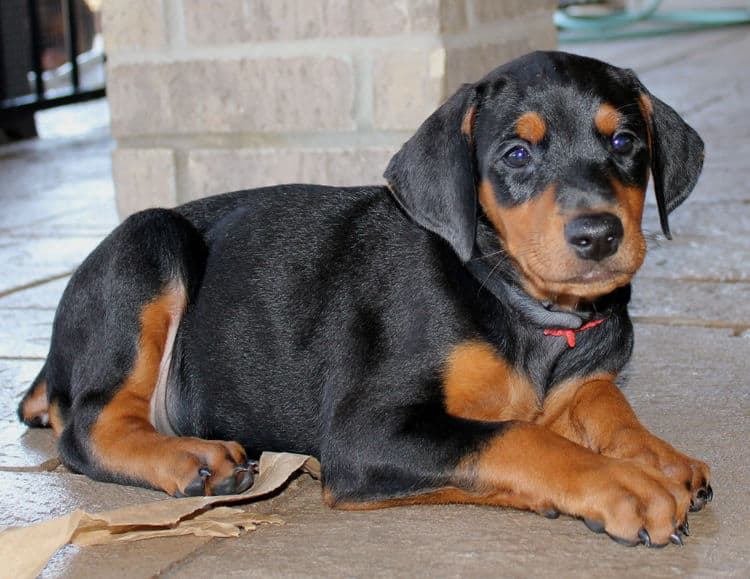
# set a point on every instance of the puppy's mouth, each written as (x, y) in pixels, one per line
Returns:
(573, 288)
(597, 276)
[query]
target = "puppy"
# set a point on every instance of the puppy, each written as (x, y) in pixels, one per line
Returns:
(452, 337)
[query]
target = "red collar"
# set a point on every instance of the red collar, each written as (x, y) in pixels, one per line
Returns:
(570, 335)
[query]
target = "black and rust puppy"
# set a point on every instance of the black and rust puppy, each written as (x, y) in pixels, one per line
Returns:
(453, 337)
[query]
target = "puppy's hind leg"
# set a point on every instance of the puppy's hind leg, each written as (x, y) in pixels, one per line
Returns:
(112, 345)
(124, 439)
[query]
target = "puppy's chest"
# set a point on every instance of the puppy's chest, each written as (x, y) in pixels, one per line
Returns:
(481, 383)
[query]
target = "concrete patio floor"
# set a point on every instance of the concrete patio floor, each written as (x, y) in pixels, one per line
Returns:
(688, 378)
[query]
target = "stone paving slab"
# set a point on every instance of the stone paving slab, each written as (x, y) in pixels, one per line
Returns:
(80, 206)
(25, 333)
(41, 296)
(59, 493)
(89, 118)
(40, 170)
(708, 303)
(141, 559)
(87, 221)
(713, 51)
(711, 241)
(691, 386)
(46, 252)
(722, 180)
(24, 450)
(651, 55)
(19, 446)
(15, 377)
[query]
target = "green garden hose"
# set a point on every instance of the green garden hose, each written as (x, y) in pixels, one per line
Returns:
(642, 22)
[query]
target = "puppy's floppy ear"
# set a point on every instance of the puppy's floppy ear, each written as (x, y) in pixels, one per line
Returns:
(676, 156)
(433, 175)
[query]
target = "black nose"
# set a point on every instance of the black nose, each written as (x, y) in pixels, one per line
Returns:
(594, 236)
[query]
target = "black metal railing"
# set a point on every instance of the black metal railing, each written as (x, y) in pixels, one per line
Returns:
(40, 69)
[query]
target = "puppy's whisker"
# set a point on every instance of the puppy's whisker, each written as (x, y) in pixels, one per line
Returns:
(653, 239)
(488, 255)
(628, 106)
(489, 275)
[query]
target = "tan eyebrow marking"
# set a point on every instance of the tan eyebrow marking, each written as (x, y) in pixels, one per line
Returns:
(607, 119)
(531, 127)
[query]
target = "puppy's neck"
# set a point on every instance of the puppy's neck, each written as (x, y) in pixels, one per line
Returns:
(498, 280)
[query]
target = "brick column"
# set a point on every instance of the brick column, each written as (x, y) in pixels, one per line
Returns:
(210, 96)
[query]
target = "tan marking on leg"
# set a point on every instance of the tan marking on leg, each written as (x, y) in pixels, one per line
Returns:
(556, 412)
(442, 496)
(479, 384)
(36, 405)
(123, 438)
(531, 127)
(594, 413)
(529, 467)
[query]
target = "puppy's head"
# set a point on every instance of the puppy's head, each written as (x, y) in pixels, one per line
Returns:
(554, 151)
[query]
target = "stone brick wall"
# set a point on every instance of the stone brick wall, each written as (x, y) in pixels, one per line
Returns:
(209, 96)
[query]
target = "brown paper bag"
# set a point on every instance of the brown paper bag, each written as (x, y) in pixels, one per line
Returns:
(25, 551)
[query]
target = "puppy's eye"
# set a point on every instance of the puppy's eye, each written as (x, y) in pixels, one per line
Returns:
(622, 143)
(517, 157)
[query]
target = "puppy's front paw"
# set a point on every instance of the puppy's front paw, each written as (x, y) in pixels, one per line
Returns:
(634, 504)
(645, 448)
